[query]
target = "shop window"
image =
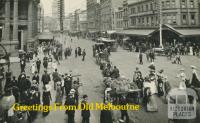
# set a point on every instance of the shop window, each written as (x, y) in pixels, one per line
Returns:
(192, 19)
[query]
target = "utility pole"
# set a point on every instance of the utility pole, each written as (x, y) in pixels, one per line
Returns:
(161, 22)
(61, 12)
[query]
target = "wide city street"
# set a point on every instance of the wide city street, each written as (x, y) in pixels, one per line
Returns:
(93, 86)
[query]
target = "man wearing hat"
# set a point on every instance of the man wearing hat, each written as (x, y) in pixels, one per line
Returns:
(160, 82)
(46, 78)
(70, 101)
(1, 78)
(67, 83)
(56, 77)
(85, 113)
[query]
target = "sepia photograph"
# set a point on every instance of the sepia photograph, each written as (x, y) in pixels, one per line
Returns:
(99, 61)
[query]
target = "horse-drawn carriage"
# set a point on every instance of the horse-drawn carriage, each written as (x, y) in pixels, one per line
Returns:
(116, 88)
(100, 53)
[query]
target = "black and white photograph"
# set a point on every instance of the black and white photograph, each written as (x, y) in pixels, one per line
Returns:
(99, 61)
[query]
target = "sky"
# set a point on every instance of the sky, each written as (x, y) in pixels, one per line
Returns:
(70, 6)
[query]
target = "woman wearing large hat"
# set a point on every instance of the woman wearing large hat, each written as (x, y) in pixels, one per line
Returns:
(195, 78)
(46, 97)
(59, 96)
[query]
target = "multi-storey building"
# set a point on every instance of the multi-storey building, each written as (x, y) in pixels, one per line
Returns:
(119, 19)
(72, 22)
(179, 13)
(179, 20)
(58, 13)
(18, 24)
(108, 8)
(93, 15)
(66, 23)
(40, 18)
(83, 21)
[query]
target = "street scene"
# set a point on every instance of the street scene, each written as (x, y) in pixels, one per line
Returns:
(99, 61)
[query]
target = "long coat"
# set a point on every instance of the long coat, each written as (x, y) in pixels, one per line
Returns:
(106, 116)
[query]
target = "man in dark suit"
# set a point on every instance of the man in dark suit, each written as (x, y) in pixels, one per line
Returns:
(38, 63)
(70, 101)
(22, 64)
(85, 113)
(106, 116)
(46, 78)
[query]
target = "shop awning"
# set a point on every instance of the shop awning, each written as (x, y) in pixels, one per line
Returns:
(136, 32)
(45, 36)
(93, 31)
(111, 31)
(189, 32)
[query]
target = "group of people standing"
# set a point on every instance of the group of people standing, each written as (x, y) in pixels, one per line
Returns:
(80, 52)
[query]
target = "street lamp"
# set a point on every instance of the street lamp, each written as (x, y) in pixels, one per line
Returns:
(161, 22)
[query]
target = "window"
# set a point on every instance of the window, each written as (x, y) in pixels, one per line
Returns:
(147, 20)
(183, 3)
(191, 3)
(173, 3)
(151, 6)
(173, 19)
(138, 8)
(142, 9)
(152, 21)
(139, 20)
(192, 19)
(168, 4)
(184, 19)
(142, 20)
(132, 10)
(163, 4)
(147, 7)
(133, 22)
(168, 19)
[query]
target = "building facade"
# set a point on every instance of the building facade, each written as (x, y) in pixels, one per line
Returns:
(18, 24)
(108, 8)
(177, 13)
(83, 21)
(58, 13)
(40, 18)
(93, 15)
(119, 19)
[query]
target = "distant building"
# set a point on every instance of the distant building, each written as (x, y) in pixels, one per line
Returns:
(58, 12)
(108, 8)
(72, 22)
(40, 18)
(119, 19)
(83, 21)
(67, 23)
(93, 15)
(18, 24)
(178, 13)
(179, 19)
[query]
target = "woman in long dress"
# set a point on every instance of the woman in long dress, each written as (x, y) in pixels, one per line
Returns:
(150, 92)
(46, 97)
(33, 68)
(58, 100)
(195, 78)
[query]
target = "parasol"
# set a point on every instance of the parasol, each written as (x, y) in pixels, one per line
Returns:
(7, 102)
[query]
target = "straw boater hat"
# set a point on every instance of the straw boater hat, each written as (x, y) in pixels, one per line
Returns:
(193, 67)
(34, 82)
(161, 71)
(59, 83)
(47, 88)
(73, 90)
(85, 96)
